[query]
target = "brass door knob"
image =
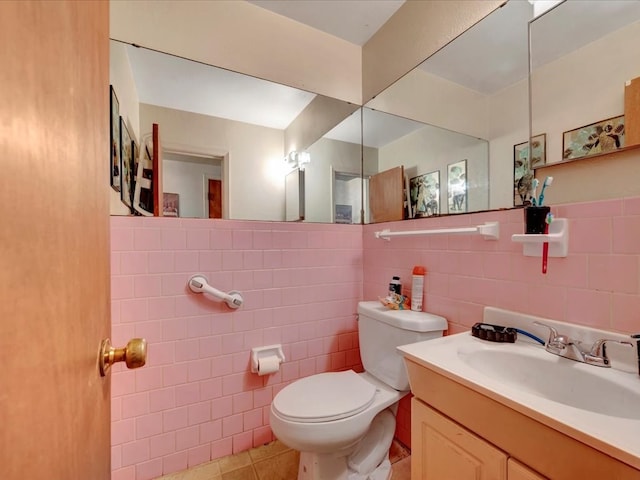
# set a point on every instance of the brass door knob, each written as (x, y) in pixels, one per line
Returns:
(134, 354)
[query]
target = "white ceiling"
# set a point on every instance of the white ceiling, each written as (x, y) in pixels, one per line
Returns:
(352, 20)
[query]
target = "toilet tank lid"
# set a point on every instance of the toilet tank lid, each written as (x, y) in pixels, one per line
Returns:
(404, 319)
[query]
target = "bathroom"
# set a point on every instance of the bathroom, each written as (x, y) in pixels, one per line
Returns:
(195, 400)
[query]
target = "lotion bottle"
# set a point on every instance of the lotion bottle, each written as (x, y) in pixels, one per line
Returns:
(395, 286)
(417, 288)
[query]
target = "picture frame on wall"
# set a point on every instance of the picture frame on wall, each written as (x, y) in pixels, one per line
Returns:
(425, 194)
(170, 204)
(344, 214)
(114, 156)
(600, 137)
(457, 187)
(135, 152)
(523, 166)
(126, 164)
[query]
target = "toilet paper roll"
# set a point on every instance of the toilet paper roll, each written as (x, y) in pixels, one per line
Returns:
(268, 365)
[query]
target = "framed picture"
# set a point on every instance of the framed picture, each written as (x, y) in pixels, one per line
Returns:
(425, 194)
(114, 168)
(457, 187)
(523, 166)
(135, 152)
(344, 214)
(601, 137)
(126, 164)
(171, 205)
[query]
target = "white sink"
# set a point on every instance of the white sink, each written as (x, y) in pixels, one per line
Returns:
(538, 372)
(598, 406)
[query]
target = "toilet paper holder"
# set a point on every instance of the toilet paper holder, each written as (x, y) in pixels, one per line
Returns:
(261, 353)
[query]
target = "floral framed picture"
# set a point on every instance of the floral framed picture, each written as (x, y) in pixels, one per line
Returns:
(457, 187)
(425, 194)
(114, 156)
(600, 137)
(126, 164)
(523, 166)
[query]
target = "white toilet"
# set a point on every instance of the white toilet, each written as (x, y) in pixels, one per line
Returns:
(343, 422)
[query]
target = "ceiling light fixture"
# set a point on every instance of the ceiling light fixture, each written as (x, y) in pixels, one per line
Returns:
(298, 159)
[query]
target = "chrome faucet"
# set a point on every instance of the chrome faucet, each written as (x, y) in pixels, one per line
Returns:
(566, 347)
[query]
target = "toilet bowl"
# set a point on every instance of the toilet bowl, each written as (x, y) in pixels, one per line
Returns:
(343, 422)
(348, 403)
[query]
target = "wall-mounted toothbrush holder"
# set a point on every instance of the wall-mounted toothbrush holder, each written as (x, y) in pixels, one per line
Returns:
(200, 284)
(557, 238)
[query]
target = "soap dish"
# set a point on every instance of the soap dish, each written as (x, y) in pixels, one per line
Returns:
(494, 333)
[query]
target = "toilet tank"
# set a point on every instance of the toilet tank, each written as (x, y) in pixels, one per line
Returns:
(381, 330)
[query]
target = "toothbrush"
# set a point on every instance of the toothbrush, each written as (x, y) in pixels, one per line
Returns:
(546, 183)
(545, 245)
(534, 186)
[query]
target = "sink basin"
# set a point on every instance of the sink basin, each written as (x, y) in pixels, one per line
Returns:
(596, 406)
(538, 372)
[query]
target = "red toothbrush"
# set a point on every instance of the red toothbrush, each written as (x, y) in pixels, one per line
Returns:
(545, 245)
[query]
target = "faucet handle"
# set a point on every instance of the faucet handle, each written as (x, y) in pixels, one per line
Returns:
(598, 348)
(553, 333)
(598, 353)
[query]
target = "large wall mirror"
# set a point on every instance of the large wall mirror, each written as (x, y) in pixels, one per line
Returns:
(472, 97)
(582, 55)
(452, 133)
(229, 140)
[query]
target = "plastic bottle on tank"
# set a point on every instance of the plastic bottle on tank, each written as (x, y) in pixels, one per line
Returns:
(395, 286)
(417, 287)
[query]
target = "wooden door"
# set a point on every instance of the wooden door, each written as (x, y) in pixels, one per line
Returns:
(54, 239)
(443, 450)
(386, 195)
(215, 198)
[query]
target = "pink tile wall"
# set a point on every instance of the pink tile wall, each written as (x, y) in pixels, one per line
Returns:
(196, 399)
(597, 284)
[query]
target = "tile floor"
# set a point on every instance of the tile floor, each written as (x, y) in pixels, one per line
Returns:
(274, 461)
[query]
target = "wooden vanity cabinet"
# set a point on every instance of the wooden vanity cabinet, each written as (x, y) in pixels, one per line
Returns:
(442, 449)
(458, 433)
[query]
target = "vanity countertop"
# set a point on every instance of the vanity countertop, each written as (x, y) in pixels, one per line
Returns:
(609, 420)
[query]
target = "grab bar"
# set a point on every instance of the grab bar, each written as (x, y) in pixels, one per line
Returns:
(200, 284)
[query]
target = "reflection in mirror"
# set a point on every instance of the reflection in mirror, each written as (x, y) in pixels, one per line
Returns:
(582, 54)
(333, 190)
(443, 172)
(225, 136)
(294, 195)
(477, 86)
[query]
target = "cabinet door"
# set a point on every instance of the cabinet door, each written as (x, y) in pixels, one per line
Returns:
(443, 450)
(517, 471)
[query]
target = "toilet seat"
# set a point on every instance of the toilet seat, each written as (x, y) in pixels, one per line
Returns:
(324, 397)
